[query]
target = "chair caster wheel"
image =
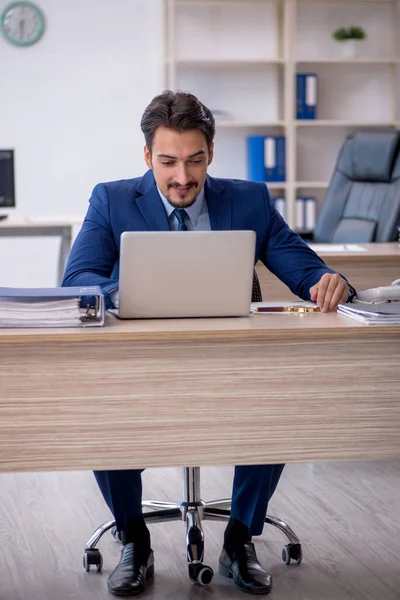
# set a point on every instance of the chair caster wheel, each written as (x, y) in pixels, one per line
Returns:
(292, 552)
(92, 556)
(200, 574)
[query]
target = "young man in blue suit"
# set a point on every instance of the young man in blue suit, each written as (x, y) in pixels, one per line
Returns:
(176, 193)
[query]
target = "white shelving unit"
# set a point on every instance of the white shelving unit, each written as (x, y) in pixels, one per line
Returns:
(240, 57)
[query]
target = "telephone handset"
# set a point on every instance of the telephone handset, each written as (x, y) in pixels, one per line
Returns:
(381, 294)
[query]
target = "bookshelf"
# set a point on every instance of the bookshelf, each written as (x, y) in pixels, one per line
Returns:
(241, 57)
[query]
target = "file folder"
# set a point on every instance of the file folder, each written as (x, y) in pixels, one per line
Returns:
(300, 214)
(311, 96)
(255, 158)
(280, 205)
(310, 213)
(275, 158)
(306, 96)
(51, 307)
(280, 141)
(270, 158)
(267, 158)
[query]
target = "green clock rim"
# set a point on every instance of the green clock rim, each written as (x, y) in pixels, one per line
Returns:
(25, 4)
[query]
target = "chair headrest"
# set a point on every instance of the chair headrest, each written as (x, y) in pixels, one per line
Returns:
(373, 155)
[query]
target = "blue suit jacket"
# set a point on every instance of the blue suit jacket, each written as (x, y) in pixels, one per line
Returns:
(135, 205)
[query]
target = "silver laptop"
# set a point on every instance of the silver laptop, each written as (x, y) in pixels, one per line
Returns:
(166, 274)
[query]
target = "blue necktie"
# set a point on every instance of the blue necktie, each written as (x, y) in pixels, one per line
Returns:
(181, 214)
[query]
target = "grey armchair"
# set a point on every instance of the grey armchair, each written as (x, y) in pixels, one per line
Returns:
(362, 203)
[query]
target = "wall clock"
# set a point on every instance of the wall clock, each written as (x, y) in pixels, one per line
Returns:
(22, 23)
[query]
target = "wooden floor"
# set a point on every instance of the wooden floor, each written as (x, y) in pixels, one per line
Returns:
(347, 516)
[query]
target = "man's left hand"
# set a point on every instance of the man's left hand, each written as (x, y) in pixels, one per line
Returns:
(329, 292)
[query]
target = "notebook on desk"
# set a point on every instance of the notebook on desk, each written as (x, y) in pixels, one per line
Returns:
(167, 274)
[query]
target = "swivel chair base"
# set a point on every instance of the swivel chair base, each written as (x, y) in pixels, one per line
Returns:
(192, 510)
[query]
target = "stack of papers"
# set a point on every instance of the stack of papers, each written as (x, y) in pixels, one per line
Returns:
(51, 307)
(384, 313)
(57, 313)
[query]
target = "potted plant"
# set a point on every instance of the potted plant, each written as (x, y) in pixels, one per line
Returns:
(349, 37)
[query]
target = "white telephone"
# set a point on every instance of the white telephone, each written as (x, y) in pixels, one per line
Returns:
(381, 294)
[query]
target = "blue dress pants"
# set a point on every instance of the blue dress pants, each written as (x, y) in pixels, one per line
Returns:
(253, 487)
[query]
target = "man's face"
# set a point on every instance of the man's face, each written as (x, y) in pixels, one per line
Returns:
(179, 161)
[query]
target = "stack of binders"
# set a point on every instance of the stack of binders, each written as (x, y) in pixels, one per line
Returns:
(267, 158)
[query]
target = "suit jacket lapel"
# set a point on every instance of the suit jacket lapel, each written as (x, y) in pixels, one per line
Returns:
(219, 205)
(150, 204)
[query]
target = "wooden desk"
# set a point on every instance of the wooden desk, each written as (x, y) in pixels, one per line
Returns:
(379, 265)
(267, 388)
(41, 226)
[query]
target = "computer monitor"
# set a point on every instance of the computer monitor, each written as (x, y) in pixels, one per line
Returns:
(7, 184)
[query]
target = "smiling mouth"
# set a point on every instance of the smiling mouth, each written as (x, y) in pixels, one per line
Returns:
(183, 189)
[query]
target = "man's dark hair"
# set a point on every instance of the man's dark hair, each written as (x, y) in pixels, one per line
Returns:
(179, 111)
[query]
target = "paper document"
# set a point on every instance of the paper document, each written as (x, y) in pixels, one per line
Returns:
(383, 313)
(58, 313)
(337, 248)
(51, 307)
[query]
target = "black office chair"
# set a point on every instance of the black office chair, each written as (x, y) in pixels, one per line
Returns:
(362, 203)
(193, 510)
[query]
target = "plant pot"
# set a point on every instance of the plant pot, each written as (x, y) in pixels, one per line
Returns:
(349, 48)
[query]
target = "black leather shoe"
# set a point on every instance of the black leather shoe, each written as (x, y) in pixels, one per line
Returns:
(136, 565)
(246, 571)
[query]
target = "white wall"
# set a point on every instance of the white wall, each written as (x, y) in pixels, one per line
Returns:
(70, 106)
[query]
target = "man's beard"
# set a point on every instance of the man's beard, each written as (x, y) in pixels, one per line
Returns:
(175, 186)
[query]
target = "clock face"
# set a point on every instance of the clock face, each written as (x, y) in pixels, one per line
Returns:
(22, 23)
